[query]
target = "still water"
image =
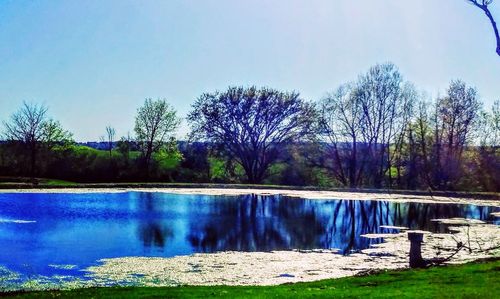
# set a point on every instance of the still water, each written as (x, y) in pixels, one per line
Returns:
(38, 230)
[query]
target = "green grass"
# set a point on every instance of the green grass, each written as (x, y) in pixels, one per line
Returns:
(474, 280)
(40, 181)
(53, 182)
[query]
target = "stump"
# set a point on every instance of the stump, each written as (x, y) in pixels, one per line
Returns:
(416, 260)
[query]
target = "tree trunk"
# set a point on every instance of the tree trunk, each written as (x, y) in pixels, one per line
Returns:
(147, 162)
(33, 161)
(353, 165)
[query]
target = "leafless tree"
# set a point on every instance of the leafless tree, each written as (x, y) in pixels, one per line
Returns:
(110, 134)
(490, 127)
(456, 116)
(31, 127)
(340, 123)
(487, 169)
(483, 5)
(252, 125)
(156, 121)
(368, 119)
(420, 142)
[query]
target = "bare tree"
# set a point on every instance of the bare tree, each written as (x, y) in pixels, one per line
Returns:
(386, 101)
(110, 134)
(483, 5)
(364, 124)
(488, 160)
(490, 127)
(31, 127)
(252, 125)
(340, 123)
(156, 121)
(421, 145)
(456, 116)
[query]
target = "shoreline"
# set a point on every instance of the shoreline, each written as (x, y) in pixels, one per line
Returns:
(298, 193)
(157, 185)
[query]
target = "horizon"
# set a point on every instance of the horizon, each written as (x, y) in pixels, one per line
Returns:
(102, 59)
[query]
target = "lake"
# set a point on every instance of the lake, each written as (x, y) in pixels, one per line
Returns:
(41, 231)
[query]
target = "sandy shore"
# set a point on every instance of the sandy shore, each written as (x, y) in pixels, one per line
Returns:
(292, 193)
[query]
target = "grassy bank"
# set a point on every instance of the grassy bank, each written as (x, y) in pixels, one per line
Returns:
(474, 280)
(55, 184)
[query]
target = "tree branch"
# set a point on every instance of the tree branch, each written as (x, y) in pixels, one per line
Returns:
(483, 5)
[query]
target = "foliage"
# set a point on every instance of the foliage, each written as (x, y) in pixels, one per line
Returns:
(374, 132)
(167, 160)
(156, 121)
(195, 164)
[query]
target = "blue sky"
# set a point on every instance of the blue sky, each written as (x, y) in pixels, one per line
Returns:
(94, 62)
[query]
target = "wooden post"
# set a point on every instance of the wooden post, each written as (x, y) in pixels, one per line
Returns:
(416, 260)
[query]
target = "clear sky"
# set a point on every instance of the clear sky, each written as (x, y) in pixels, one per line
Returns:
(94, 62)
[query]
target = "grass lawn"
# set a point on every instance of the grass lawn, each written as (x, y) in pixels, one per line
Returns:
(474, 280)
(53, 182)
(26, 182)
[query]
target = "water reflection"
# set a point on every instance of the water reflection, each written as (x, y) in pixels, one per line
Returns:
(151, 229)
(80, 229)
(263, 223)
(258, 223)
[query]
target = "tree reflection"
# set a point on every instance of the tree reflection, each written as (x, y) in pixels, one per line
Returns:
(151, 227)
(264, 223)
(153, 234)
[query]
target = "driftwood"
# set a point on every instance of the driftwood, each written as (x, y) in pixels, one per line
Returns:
(473, 246)
(460, 245)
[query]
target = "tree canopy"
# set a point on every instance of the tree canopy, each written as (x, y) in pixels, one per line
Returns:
(156, 122)
(253, 124)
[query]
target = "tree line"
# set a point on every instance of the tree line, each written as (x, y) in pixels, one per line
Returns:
(377, 131)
